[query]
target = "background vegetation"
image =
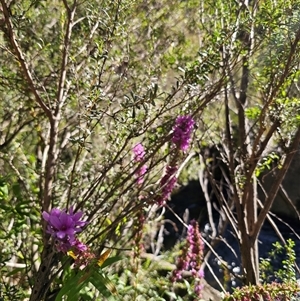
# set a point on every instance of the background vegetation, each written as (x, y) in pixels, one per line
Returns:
(83, 82)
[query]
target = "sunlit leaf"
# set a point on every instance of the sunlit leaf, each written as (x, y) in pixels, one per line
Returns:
(110, 261)
(71, 254)
(103, 257)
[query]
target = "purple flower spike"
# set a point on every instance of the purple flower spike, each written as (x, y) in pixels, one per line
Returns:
(182, 132)
(191, 258)
(198, 289)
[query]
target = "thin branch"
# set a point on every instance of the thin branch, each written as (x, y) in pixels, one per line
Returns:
(65, 56)
(218, 257)
(21, 59)
(8, 140)
(203, 183)
(288, 200)
(276, 185)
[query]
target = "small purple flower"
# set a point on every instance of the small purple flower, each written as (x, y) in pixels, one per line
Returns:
(200, 274)
(176, 275)
(182, 132)
(198, 289)
(139, 152)
(140, 174)
(63, 226)
(80, 247)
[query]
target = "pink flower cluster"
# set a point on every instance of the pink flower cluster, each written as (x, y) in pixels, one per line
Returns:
(181, 138)
(191, 258)
(139, 153)
(182, 132)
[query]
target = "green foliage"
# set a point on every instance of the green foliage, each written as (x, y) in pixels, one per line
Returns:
(82, 82)
(146, 284)
(266, 163)
(77, 282)
(285, 274)
(253, 113)
(11, 292)
(285, 287)
(272, 291)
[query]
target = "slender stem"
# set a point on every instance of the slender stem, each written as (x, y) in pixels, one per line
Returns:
(21, 59)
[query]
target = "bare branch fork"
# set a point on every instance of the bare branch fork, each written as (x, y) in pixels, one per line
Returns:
(249, 224)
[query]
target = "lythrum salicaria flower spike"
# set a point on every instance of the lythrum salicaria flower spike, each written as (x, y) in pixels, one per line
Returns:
(191, 258)
(182, 132)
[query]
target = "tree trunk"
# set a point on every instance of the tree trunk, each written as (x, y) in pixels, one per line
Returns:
(42, 279)
(249, 256)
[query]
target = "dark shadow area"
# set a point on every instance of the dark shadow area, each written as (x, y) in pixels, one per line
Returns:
(189, 203)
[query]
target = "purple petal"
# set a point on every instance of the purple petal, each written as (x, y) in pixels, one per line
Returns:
(76, 217)
(61, 234)
(55, 212)
(55, 222)
(45, 216)
(50, 230)
(71, 210)
(66, 221)
(81, 224)
(72, 239)
(70, 231)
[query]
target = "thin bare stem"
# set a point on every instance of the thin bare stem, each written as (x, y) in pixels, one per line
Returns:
(21, 59)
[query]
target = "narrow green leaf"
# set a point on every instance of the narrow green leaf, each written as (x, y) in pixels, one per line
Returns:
(102, 283)
(109, 261)
(72, 286)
